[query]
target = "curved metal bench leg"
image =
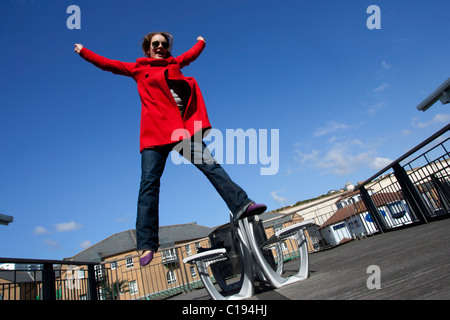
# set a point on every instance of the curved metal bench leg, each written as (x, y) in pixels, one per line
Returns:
(275, 279)
(203, 261)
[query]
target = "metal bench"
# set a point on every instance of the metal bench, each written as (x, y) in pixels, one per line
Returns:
(204, 259)
(252, 248)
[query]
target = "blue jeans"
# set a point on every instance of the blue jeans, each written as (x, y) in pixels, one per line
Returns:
(152, 166)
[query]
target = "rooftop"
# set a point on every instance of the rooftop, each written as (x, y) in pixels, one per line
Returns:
(380, 199)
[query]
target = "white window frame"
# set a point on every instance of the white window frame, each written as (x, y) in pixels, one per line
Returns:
(129, 262)
(171, 277)
(193, 272)
(133, 287)
(169, 255)
(188, 250)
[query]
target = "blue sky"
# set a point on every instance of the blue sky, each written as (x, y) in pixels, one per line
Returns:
(342, 96)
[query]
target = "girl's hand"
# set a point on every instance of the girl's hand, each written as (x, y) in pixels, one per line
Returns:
(78, 47)
(201, 38)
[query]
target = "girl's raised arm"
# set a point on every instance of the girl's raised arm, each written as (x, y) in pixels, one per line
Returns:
(114, 66)
(192, 54)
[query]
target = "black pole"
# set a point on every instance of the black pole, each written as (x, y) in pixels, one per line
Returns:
(48, 282)
(92, 284)
(373, 211)
(412, 196)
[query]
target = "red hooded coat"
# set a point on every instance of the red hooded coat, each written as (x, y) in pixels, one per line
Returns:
(161, 121)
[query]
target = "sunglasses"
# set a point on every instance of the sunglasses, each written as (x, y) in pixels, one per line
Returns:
(155, 44)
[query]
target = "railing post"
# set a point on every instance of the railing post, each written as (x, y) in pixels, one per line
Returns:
(373, 211)
(92, 285)
(412, 196)
(48, 282)
(443, 192)
(187, 285)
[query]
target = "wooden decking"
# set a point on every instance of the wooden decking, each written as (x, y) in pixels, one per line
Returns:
(414, 264)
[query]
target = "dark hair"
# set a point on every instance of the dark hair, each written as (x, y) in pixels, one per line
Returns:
(146, 41)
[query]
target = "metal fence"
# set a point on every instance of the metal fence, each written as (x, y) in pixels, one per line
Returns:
(419, 186)
(48, 280)
(121, 279)
(413, 189)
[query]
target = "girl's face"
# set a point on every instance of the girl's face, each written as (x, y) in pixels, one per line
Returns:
(158, 47)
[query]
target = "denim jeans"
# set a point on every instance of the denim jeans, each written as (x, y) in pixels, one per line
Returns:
(152, 165)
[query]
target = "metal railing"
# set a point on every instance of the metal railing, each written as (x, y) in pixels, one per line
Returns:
(47, 280)
(419, 186)
(414, 189)
(120, 279)
(166, 276)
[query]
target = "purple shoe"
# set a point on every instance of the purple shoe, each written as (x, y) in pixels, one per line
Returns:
(145, 260)
(252, 210)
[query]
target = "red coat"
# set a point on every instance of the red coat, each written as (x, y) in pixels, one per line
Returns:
(161, 121)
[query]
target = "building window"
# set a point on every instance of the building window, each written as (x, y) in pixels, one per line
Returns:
(133, 287)
(339, 226)
(79, 273)
(353, 224)
(188, 250)
(114, 265)
(169, 255)
(129, 263)
(98, 272)
(171, 277)
(193, 272)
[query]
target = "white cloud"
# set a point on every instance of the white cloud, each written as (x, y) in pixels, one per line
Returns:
(376, 107)
(379, 163)
(343, 158)
(330, 127)
(67, 226)
(439, 118)
(406, 132)
(289, 171)
(279, 199)
(85, 244)
(54, 245)
(381, 88)
(385, 65)
(40, 230)
(307, 157)
(341, 161)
